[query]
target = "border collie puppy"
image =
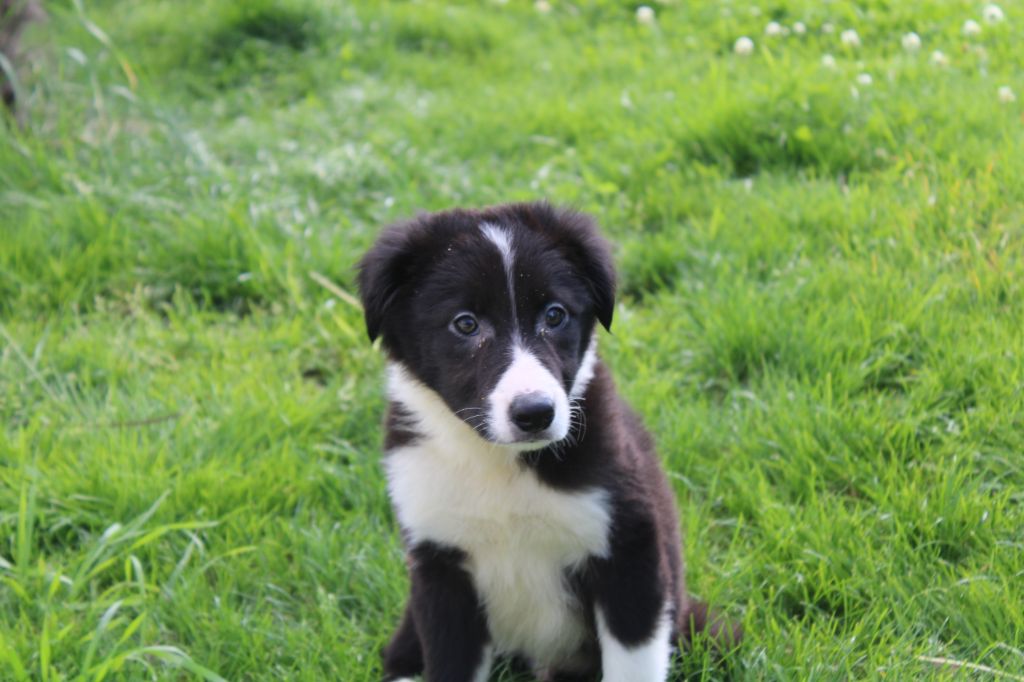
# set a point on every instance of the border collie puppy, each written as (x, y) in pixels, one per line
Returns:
(537, 522)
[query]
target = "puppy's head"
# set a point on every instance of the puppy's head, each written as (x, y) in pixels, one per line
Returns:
(493, 311)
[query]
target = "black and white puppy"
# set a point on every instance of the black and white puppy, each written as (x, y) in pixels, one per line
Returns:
(537, 522)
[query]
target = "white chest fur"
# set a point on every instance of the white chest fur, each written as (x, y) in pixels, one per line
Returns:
(519, 535)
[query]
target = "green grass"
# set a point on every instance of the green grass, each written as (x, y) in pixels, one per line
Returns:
(821, 317)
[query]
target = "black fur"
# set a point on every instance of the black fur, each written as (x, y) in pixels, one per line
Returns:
(448, 630)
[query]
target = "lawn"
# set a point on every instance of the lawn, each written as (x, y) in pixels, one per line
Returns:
(821, 315)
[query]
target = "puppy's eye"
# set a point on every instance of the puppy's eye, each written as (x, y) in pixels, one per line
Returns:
(555, 316)
(466, 324)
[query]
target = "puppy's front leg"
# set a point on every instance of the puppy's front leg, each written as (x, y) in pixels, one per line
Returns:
(448, 616)
(632, 606)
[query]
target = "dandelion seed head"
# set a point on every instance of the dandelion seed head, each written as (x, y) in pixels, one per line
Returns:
(1006, 95)
(773, 29)
(993, 14)
(849, 38)
(645, 15)
(939, 58)
(744, 46)
(864, 79)
(828, 61)
(911, 42)
(799, 28)
(971, 28)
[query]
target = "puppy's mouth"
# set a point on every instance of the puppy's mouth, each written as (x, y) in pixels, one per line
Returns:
(518, 440)
(532, 442)
(527, 441)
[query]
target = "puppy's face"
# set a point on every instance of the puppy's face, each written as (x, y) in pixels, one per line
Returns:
(494, 311)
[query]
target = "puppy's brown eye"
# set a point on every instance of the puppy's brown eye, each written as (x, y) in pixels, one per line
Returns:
(554, 316)
(466, 324)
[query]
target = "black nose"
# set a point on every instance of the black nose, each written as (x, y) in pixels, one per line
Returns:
(532, 412)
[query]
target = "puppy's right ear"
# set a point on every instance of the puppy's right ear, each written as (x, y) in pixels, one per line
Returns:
(381, 274)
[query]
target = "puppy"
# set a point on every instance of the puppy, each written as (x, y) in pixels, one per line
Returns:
(537, 522)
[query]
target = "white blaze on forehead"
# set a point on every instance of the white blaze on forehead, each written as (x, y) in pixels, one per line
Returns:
(525, 375)
(501, 238)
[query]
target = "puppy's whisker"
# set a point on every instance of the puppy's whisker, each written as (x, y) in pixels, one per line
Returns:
(467, 409)
(577, 421)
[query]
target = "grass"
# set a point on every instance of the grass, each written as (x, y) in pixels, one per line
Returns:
(820, 318)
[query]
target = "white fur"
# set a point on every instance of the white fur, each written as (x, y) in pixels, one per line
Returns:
(648, 662)
(525, 375)
(483, 671)
(585, 372)
(519, 535)
(501, 239)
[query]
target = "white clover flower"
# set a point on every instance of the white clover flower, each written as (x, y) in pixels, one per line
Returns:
(828, 28)
(644, 15)
(971, 28)
(993, 14)
(828, 61)
(864, 79)
(911, 42)
(939, 58)
(849, 38)
(542, 6)
(773, 29)
(744, 46)
(799, 28)
(1006, 95)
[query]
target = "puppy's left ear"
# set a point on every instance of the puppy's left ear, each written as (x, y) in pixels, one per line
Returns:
(593, 258)
(381, 275)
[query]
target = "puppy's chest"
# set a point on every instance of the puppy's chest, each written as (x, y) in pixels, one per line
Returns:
(521, 539)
